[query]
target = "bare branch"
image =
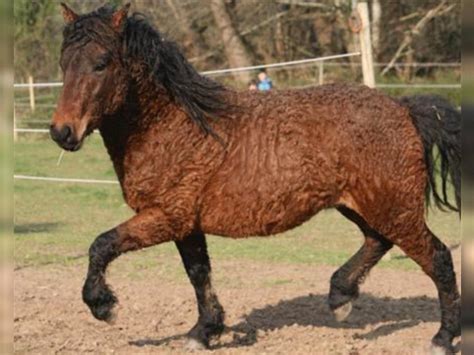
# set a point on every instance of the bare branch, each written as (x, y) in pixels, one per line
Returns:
(416, 30)
(304, 3)
(263, 23)
(410, 16)
(243, 33)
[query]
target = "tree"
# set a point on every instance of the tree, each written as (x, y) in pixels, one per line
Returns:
(406, 46)
(226, 33)
(37, 39)
(376, 16)
(234, 48)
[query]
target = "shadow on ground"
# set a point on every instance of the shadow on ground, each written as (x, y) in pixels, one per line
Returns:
(34, 228)
(312, 310)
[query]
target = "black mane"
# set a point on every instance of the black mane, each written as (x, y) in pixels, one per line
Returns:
(200, 97)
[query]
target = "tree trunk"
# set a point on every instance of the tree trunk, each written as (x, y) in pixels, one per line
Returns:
(349, 39)
(191, 42)
(376, 16)
(234, 48)
(324, 32)
(280, 47)
(409, 59)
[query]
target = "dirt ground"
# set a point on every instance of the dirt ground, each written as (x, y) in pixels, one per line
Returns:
(270, 308)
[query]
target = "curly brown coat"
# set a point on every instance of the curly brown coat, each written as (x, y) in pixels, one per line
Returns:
(193, 157)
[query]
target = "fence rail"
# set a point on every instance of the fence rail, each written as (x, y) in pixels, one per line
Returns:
(37, 85)
(421, 86)
(56, 179)
(37, 130)
(282, 64)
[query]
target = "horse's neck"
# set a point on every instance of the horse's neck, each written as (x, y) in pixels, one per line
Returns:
(146, 103)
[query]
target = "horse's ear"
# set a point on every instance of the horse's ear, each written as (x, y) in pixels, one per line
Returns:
(68, 14)
(119, 17)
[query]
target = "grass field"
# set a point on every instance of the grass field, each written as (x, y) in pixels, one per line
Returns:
(56, 222)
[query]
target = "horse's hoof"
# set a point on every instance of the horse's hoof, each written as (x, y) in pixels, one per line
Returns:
(113, 315)
(101, 301)
(343, 312)
(194, 345)
(441, 350)
(437, 350)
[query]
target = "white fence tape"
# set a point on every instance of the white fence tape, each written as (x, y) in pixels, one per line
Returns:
(282, 64)
(421, 86)
(56, 179)
(37, 85)
(31, 130)
(37, 130)
(220, 71)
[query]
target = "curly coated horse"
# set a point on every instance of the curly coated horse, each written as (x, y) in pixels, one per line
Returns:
(194, 157)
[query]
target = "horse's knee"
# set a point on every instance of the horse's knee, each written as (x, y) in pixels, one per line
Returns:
(104, 249)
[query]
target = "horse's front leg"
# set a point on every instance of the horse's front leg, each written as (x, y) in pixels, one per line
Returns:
(147, 228)
(193, 251)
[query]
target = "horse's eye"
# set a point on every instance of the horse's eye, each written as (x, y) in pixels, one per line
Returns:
(100, 67)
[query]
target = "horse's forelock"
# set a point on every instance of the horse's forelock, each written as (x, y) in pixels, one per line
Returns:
(93, 26)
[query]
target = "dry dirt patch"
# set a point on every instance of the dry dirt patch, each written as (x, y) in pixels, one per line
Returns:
(270, 308)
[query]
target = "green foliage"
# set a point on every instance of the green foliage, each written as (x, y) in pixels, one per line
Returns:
(271, 30)
(37, 38)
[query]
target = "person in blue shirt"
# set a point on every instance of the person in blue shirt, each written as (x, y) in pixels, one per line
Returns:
(264, 82)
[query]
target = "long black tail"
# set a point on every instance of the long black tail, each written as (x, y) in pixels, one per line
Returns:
(439, 124)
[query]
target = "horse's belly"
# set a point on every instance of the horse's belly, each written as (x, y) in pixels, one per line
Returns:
(257, 214)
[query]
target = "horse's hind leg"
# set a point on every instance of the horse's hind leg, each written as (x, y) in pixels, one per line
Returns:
(435, 259)
(345, 281)
(193, 251)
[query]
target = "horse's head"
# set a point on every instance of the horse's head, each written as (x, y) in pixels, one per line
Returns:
(94, 74)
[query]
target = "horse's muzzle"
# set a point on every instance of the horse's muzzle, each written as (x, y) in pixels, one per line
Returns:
(65, 138)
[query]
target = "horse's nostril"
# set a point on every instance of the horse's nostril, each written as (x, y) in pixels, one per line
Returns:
(60, 135)
(65, 133)
(54, 132)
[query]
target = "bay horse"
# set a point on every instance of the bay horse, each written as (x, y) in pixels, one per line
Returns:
(194, 157)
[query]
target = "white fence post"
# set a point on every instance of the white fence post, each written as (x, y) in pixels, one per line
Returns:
(321, 73)
(366, 45)
(32, 93)
(15, 133)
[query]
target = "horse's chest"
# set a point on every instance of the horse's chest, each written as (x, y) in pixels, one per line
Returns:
(162, 180)
(166, 166)
(144, 181)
